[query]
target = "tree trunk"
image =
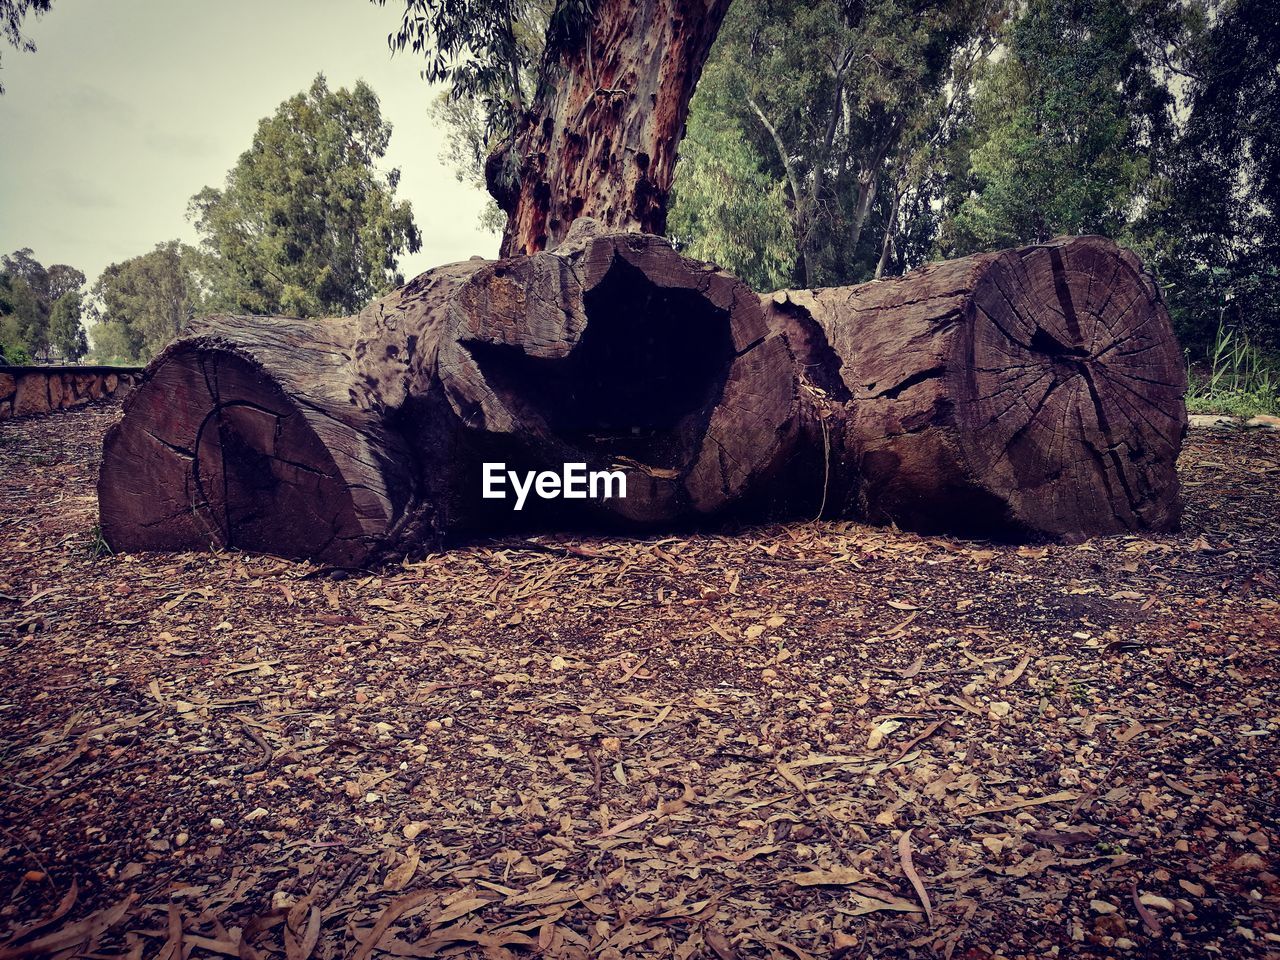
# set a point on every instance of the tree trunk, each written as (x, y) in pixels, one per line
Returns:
(600, 140)
(1027, 392)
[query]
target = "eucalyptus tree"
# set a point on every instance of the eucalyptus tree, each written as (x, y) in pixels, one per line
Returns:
(307, 224)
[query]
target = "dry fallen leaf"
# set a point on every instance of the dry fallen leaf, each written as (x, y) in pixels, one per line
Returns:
(908, 868)
(832, 877)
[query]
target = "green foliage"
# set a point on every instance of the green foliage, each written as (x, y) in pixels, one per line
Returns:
(12, 13)
(1236, 379)
(66, 332)
(725, 208)
(143, 303)
(32, 297)
(97, 548)
(487, 53)
(1055, 145)
(963, 127)
(485, 97)
(1212, 230)
(468, 139)
(843, 105)
(307, 225)
(23, 325)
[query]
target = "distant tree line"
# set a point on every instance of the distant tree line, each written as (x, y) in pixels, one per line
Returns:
(305, 225)
(835, 141)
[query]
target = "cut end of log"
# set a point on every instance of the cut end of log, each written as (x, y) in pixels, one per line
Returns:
(617, 352)
(219, 449)
(1069, 388)
(1027, 393)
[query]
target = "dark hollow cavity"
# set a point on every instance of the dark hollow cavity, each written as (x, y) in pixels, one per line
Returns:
(640, 383)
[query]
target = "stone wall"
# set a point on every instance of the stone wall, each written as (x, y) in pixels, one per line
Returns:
(30, 390)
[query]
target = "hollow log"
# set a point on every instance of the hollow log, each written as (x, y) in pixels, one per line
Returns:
(342, 440)
(1030, 392)
(617, 352)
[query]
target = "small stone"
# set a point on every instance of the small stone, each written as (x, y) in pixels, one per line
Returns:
(558, 662)
(217, 823)
(257, 814)
(361, 697)
(999, 710)
(1110, 925)
(611, 745)
(181, 840)
(1102, 906)
(1249, 862)
(411, 830)
(383, 727)
(433, 726)
(1160, 903)
(768, 673)
(1124, 943)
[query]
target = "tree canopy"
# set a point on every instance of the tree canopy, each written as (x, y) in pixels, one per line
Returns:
(306, 223)
(39, 309)
(142, 303)
(12, 13)
(969, 126)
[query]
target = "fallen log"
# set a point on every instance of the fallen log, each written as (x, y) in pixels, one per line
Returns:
(273, 435)
(340, 440)
(1027, 392)
(617, 352)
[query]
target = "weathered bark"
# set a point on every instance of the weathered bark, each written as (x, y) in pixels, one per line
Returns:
(341, 440)
(274, 435)
(617, 352)
(600, 140)
(1036, 391)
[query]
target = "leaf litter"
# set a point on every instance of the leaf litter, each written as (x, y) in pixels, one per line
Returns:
(809, 740)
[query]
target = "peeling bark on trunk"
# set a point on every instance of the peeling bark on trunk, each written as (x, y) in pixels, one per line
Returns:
(1027, 392)
(600, 141)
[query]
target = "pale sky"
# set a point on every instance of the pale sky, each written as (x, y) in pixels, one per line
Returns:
(129, 107)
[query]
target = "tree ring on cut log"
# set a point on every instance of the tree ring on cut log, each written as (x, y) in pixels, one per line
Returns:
(223, 446)
(1032, 392)
(1068, 384)
(617, 352)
